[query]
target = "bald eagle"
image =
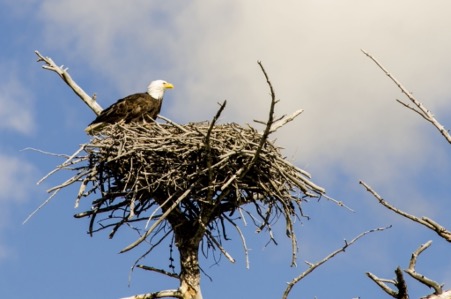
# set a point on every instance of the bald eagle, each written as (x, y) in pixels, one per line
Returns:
(138, 107)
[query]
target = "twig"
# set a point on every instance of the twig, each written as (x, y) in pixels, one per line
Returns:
(382, 284)
(440, 230)
(244, 170)
(312, 266)
(45, 152)
(219, 246)
(156, 223)
(152, 268)
(270, 121)
(172, 123)
(208, 151)
(338, 203)
(399, 283)
(41, 206)
(67, 162)
(160, 294)
(419, 107)
(148, 268)
(62, 72)
(243, 239)
(282, 122)
(421, 278)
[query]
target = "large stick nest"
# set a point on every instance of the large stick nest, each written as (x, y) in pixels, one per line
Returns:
(189, 171)
(186, 175)
(188, 179)
(134, 166)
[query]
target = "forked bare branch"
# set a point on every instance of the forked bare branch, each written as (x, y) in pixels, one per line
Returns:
(417, 107)
(64, 74)
(160, 294)
(313, 266)
(419, 277)
(429, 223)
(401, 284)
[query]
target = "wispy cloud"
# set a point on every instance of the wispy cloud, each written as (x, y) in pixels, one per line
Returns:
(125, 43)
(16, 178)
(312, 55)
(16, 106)
(351, 128)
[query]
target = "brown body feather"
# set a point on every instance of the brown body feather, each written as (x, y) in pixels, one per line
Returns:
(138, 107)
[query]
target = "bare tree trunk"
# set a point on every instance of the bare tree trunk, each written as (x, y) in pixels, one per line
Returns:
(190, 271)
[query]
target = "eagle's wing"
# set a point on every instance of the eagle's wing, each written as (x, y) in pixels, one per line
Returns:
(126, 109)
(153, 109)
(129, 109)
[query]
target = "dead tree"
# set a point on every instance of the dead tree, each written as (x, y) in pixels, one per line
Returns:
(193, 182)
(400, 284)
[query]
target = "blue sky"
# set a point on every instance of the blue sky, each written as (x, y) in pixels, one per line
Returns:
(352, 129)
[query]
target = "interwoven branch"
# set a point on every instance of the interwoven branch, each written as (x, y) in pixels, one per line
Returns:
(162, 174)
(192, 181)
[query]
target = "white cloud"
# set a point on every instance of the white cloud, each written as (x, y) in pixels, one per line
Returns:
(16, 179)
(312, 55)
(123, 41)
(16, 106)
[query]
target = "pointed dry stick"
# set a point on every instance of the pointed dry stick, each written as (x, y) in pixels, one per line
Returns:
(148, 268)
(263, 139)
(420, 108)
(41, 206)
(381, 282)
(400, 284)
(440, 230)
(156, 223)
(243, 239)
(160, 294)
(421, 278)
(280, 123)
(51, 66)
(219, 246)
(208, 150)
(270, 121)
(316, 265)
(66, 163)
(172, 123)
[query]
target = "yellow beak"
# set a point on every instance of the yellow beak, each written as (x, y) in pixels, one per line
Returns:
(168, 85)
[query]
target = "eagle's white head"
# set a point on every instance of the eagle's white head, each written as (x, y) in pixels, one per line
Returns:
(156, 88)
